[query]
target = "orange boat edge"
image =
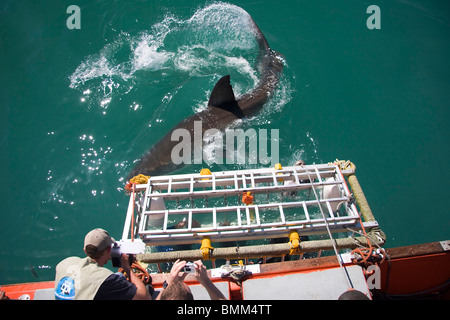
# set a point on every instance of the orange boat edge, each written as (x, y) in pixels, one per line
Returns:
(27, 291)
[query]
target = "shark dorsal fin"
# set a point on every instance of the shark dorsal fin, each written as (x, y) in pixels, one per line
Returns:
(222, 96)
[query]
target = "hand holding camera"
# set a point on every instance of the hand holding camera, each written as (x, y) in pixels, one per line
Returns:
(120, 259)
(189, 267)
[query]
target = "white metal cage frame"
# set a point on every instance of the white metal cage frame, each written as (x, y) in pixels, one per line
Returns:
(197, 206)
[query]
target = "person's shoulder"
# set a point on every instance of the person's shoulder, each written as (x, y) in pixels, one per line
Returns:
(69, 260)
(117, 281)
(116, 277)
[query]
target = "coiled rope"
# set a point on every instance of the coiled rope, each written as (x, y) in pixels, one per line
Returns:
(140, 272)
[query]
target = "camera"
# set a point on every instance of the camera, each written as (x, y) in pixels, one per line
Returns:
(189, 267)
(116, 254)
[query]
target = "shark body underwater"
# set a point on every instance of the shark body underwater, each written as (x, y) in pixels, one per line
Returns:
(223, 108)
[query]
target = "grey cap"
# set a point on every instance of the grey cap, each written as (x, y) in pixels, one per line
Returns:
(98, 238)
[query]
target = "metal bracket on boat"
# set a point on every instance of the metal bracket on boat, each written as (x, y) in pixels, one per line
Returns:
(294, 243)
(445, 245)
(131, 247)
(206, 248)
(237, 274)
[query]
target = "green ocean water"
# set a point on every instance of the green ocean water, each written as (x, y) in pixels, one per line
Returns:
(80, 105)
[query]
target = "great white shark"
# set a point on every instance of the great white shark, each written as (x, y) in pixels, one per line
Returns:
(223, 108)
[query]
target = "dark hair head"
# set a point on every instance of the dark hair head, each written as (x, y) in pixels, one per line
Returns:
(92, 251)
(177, 291)
(353, 295)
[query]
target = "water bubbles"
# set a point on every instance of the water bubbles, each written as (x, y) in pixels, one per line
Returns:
(135, 106)
(147, 54)
(105, 102)
(85, 137)
(92, 157)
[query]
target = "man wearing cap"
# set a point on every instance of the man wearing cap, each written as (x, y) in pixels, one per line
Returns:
(87, 279)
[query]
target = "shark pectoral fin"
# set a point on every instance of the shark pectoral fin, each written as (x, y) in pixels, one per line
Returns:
(222, 96)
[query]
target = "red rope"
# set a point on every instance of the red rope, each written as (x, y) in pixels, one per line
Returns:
(132, 214)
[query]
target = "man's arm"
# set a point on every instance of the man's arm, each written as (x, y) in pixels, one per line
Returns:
(141, 292)
(176, 274)
(202, 276)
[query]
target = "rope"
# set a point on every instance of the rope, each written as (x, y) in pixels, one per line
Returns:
(139, 179)
(140, 272)
(369, 257)
(360, 198)
(344, 165)
(256, 251)
(130, 187)
(132, 214)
